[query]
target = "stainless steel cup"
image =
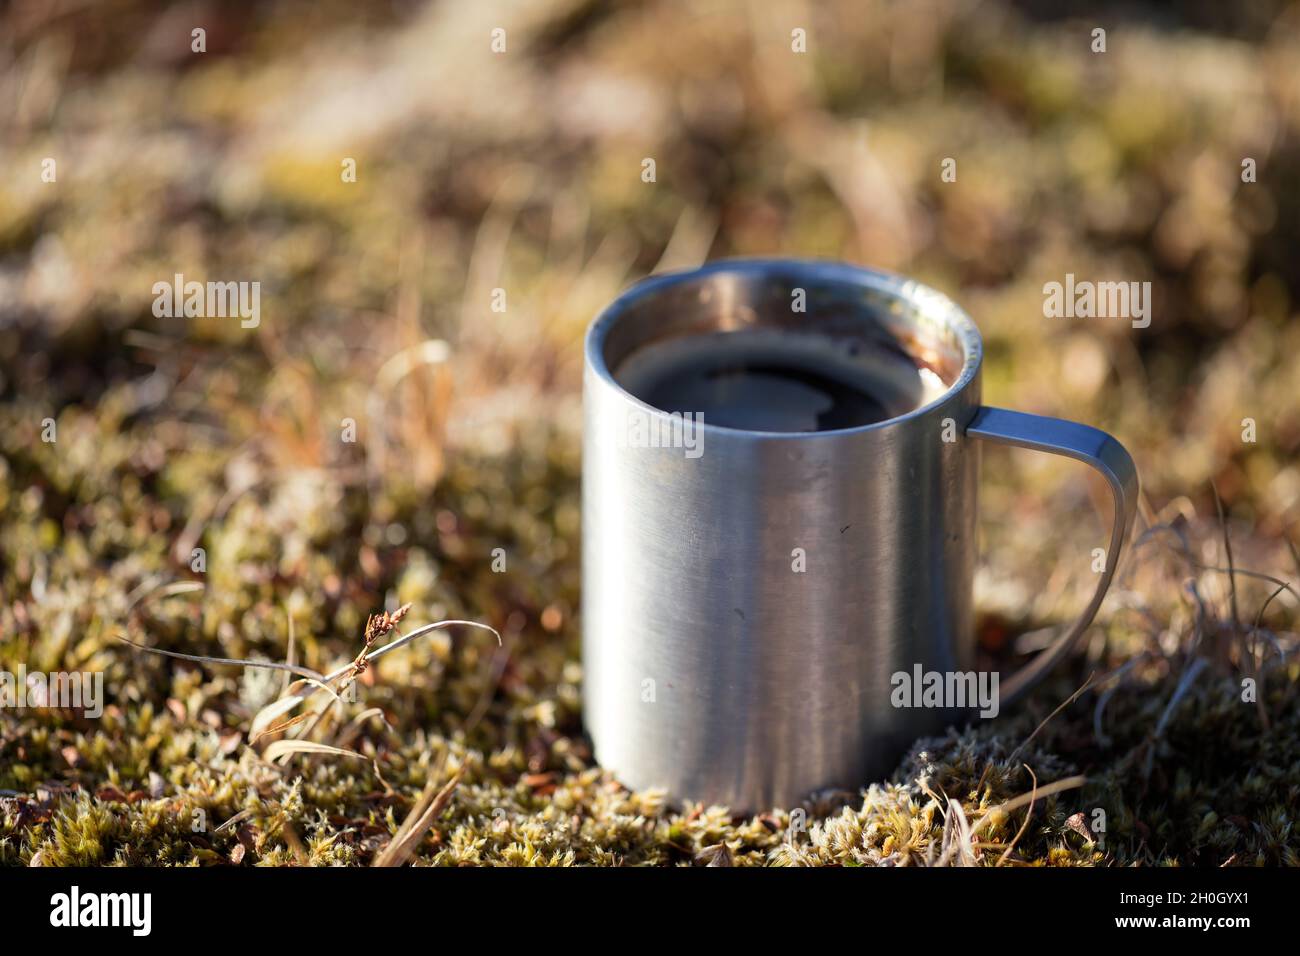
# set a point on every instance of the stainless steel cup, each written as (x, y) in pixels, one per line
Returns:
(713, 666)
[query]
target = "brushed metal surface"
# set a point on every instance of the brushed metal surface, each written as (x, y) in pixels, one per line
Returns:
(711, 667)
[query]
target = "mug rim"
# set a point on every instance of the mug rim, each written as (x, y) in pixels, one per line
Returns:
(925, 299)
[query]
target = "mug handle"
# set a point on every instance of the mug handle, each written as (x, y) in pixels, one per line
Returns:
(1093, 447)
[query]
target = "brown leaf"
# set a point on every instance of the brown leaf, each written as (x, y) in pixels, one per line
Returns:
(1079, 824)
(719, 854)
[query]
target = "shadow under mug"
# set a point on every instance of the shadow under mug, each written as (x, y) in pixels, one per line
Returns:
(714, 666)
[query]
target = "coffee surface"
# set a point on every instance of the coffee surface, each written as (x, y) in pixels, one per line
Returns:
(779, 381)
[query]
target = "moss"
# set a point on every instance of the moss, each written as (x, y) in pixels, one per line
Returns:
(176, 436)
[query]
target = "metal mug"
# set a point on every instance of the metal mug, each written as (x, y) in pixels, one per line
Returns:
(711, 669)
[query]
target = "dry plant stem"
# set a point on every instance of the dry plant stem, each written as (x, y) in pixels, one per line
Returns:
(1064, 704)
(498, 667)
(406, 639)
(1256, 670)
(305, 672)
(1116, 679)
(1068, 783)
(241, 815)
(291, 657)
(286, 748)
(147, 592)
(277, 728)
(1184, 551)
(1227, 548)
(376, 626)
(1184, 684)
(1029, 815)
(411, 833)
(956, 837)
(429, 352)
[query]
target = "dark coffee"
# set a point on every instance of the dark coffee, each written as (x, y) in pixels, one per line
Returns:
(774, 380)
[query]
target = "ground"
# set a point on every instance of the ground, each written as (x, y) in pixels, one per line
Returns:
(1173, 738)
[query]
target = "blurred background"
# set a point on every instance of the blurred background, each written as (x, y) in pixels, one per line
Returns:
(478, 170)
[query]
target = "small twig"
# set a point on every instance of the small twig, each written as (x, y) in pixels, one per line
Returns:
(291, 657)
(417, 823)
(377, 626)
(241, 815)
(1184, 551)
(1104, 697)
(1227, 547)
(406, 639)
(1028, 816)
(1259, 618)
(146, 592)
(1064, 704)
(1068, 783)
(498, 667)
(1184, 684)
(305, 672)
